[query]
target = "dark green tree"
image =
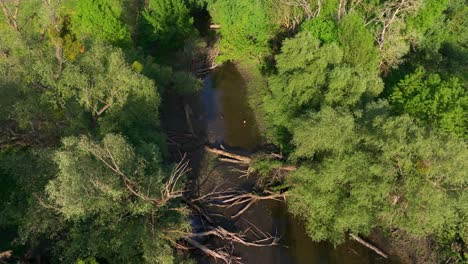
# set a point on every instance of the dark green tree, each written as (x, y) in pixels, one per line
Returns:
(170, 22)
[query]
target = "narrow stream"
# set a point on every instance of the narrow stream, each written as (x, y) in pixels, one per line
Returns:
(230, 124)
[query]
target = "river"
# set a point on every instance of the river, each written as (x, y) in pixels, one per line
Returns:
(230, 124)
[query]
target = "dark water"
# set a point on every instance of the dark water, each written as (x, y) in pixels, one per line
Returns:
(230, 123)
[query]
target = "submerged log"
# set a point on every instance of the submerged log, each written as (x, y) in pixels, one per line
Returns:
(364, 243)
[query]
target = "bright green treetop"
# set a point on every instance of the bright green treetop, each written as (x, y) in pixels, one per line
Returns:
(102, 20)
(246, 28)
(442, 103)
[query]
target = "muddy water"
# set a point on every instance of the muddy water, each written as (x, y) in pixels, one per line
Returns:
(230, 124)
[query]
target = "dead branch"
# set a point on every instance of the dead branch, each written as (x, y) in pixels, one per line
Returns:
(11, 17)
(264, 240)
(288, 168)
(169, 191)
(205, 70)
(364, 243)
(241, 158)
(391, 11)
(104, 108)
(215, 26)
(228, 199)
(341, 8)
(305, 5)
(217, 254)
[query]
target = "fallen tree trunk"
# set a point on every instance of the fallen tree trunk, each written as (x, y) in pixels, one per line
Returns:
(364, 243)
(232, 161)
(288, 168)
(244, 159)
(6, 255)
(239, 159)
(205, 70)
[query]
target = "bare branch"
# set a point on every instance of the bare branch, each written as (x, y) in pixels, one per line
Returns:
(265, 240)
(167, 193)
(217, 254)
(361, 241)
(341, 8)
(228, 199)
(391, 11)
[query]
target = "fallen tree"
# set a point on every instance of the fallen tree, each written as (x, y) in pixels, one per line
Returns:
(240, 159)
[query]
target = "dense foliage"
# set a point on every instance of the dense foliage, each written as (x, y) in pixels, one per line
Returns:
(83, 159)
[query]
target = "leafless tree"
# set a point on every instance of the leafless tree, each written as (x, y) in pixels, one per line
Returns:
(392, 10)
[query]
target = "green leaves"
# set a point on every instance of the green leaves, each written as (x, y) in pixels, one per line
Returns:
(326, 132)
(342, 195)
(101, 81)
(441, 103)
(312, 75)
(170, 21)
(246, 28)
(101, 19)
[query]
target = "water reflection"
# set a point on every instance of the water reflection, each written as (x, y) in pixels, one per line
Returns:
(229, 118)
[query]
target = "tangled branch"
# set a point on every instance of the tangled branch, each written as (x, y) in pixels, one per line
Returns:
(229, 199)
(169, 190)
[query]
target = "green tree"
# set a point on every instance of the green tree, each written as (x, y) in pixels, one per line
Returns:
(324, 30)
(117, 201)
(101, 81)
(358, 43)
(311, 75)
(391, 173)
(441, 103)
(246, 28)
(343, 194)
(170, 22)
(101, 20)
